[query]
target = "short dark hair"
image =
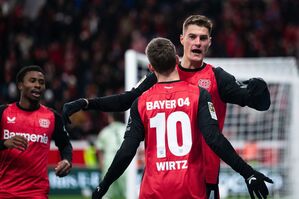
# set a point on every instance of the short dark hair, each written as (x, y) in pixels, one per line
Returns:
(21, 74)
(161, 54)
(199, 20)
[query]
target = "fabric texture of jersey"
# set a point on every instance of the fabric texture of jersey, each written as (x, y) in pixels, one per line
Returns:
(173, 155)
(205, 78)
(24, 173)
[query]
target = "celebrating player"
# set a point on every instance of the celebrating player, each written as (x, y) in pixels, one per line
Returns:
(27, 128)
(222, 86)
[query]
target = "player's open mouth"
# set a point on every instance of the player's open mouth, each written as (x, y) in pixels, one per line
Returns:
(36, 93)
(196, 51)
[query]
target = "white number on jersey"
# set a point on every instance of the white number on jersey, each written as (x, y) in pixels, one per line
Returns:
(168, 127)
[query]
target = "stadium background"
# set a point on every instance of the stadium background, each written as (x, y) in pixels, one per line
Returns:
(81, 45)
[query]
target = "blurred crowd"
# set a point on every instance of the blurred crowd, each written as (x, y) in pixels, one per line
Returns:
(81, 43)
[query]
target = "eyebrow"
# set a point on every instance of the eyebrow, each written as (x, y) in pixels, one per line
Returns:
(198, 34)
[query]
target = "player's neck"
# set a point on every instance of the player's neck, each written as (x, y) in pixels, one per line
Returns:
(173, 76)
(185, 63)
(28, 105)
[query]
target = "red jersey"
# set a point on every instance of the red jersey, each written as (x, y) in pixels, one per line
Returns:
(205, 78)
(24, 173)
(173, 147)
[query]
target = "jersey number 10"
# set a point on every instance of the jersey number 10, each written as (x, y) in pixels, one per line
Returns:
(168, 127)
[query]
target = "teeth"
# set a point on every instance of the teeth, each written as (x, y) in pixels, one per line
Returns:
(35, 93)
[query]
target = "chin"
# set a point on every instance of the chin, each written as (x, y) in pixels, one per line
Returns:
(35, 100)
(196, 59)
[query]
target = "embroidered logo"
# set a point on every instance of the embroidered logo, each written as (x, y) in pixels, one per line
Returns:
(11, 120)
(204, 83)
(44, 123)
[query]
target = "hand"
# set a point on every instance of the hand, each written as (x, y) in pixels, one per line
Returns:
(256, 185)
(17, 142)
(99, 192)
(72, 107)
(63, 168)
(256, 86)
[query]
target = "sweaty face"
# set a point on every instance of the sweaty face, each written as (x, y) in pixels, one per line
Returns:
(33, 86)
(196, 41)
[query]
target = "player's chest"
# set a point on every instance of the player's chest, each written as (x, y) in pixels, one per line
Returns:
(204, 79)
(28, 124)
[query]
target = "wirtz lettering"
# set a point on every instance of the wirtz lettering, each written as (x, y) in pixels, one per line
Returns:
(172, 165)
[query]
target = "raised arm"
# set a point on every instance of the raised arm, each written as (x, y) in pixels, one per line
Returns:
(253, 92)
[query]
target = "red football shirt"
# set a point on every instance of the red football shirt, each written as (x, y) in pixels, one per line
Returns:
(173, 146)
(25, 173)
(205, 78)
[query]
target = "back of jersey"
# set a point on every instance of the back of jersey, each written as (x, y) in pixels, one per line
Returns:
(173, 151)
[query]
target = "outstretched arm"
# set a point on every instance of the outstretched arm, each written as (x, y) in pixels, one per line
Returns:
(253, 92)
(113, 103)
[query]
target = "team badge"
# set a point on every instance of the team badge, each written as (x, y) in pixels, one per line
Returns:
(204, 83)
(212, 111)
(44, 123)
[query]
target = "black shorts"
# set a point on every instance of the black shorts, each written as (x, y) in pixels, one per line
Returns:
(212, 191)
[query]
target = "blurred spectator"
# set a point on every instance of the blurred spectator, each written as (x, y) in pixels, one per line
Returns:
(108, 142)
(81, 44)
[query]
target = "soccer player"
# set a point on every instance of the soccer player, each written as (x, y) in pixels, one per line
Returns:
(222, 86)
(172, 118)
(27, 128)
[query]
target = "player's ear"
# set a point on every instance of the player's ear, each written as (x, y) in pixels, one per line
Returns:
(150, 67)
(177, 59)
(210, 42)
(181, 39)
(20, 85)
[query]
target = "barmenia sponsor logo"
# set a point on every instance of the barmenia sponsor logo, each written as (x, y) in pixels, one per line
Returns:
(30, 137)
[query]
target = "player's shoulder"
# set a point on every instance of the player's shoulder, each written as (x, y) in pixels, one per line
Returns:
(146, 93)
(3, 106)
(221, 74)
(46, 108)
(184, 84)
(50, 110)
(218, 69)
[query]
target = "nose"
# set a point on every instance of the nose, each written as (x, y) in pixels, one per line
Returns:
(198, 40)
(37, 85)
